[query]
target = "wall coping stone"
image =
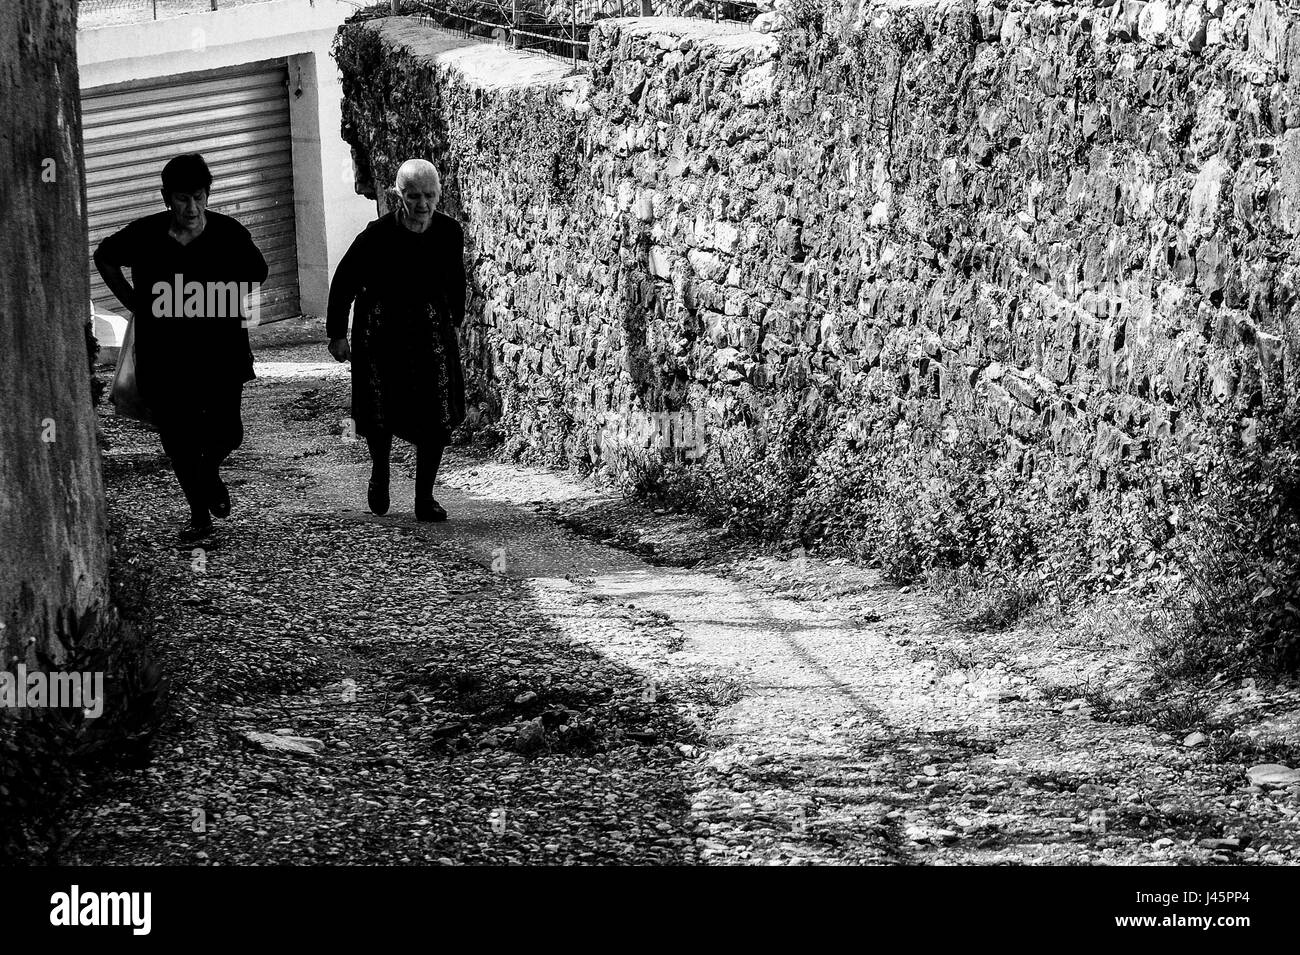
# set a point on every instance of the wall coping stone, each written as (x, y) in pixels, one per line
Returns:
(722, 36)
(485, 66)
(489, 66)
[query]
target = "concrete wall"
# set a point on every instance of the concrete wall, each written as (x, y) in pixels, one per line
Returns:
(1073, 224)
(329, 213)
(53, 549)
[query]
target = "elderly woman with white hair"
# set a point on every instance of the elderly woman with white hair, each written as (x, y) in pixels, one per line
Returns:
(406, 274)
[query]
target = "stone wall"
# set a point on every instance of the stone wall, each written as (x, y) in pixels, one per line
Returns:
(1076, 225)
(53, 549)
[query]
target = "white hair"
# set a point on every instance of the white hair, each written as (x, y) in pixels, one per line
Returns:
(417, 170)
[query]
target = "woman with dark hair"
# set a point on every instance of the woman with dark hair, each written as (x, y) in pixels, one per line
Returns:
(406, 274)
(195, 278)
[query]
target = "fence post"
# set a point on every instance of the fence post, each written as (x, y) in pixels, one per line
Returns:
(392, 6)
(514, 24)
(573, 37)
(155, 9)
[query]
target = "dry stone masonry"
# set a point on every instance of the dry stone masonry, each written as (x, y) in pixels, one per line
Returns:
(1072, 223)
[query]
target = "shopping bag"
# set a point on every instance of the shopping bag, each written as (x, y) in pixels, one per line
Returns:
(125, 393)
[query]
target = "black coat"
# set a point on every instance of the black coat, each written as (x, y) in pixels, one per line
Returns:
(409, 290)
(179, 357)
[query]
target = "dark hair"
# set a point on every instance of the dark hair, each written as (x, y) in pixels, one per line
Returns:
(186, 173)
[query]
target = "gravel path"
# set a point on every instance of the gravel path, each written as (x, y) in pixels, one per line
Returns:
(859, 729)
(520, 685)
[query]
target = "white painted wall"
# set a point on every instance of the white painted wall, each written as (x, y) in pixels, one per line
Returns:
(329, 212)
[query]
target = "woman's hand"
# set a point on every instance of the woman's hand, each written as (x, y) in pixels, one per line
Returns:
(339, 349)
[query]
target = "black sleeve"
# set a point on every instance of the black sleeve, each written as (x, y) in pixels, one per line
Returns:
(251, 265)
(456, 267)
(348, 280)
(115, 254)
(116, 249)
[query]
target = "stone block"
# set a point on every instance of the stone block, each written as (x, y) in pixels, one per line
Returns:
(726, 236)
(660, 262)
(707, 265)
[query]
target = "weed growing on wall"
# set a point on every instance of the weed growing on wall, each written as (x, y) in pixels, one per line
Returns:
(1236, 600)
(749, 482)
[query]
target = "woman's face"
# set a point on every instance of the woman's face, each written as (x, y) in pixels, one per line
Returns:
(188, 208)
(419, 199)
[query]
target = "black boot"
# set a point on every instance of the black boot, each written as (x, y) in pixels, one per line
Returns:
(429, 510)
(199, 527)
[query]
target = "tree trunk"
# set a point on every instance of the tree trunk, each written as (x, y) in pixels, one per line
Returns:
(53, 548)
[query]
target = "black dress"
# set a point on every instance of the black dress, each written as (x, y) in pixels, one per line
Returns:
(181, 355)
(191, 364)
(409, 289)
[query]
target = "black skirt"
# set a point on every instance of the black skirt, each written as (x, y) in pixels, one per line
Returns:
(407, 378)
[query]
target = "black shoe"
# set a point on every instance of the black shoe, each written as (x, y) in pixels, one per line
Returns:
(377, 497)
(427, 509)
(199, 527)
(219, 498)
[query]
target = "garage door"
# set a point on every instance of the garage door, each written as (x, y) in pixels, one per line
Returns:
(238, 118)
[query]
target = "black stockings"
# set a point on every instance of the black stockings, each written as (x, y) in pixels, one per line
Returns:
(381, 449)
(198, 435)
(428, 458)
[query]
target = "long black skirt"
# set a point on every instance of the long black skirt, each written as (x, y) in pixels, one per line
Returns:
(406, 373)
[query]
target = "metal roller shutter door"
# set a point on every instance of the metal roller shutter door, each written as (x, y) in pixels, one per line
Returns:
(238, 118)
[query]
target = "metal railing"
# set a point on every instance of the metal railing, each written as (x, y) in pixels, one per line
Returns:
(559, 28)
(508, 24)
(555, 27)
(102, 13)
